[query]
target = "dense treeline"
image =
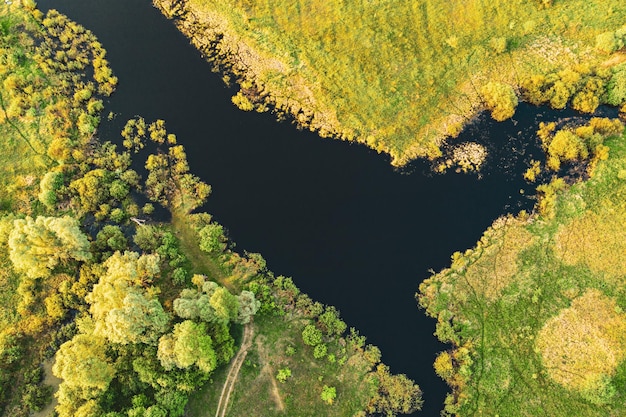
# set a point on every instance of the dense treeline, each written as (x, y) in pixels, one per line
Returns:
(133, 314)
(401, 76)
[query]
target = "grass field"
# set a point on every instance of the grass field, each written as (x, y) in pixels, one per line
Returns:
(535, 310)
(278, 345)
(398, 76)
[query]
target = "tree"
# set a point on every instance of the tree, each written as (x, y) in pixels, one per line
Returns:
(500, 99)
(37, 246)
(187, 345)
(121, 310)
(139, 320)
(395, 394)
(225, 304)
(169, 181)
(50, 184)
(212, 238)
(616, 89)
(83, 365)
(248, 306)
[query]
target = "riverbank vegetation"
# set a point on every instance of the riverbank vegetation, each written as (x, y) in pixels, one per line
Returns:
(534, 312)
(130, 310)
(401, 76)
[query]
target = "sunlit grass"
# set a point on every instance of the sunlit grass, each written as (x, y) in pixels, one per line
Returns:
(543, 333)
(399, 75)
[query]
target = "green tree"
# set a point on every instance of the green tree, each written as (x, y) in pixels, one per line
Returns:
(616, 88)
(225, 304)
(212, 239)
(139, 320)
(82, 363)
(169, 181)
(121, 310)
(37, 246)
(189, 344)
(248, 306)
(49, 186)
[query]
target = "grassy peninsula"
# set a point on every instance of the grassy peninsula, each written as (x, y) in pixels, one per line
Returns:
(535, 312)
(110, 310)
(401, 76)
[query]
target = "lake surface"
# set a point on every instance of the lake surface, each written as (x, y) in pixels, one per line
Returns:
(352, 231)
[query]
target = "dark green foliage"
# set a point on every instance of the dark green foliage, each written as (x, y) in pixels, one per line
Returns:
(108, 240)
(147, 238)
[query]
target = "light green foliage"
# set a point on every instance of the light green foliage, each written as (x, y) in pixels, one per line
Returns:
(188, 345)
(37, 246)
(500, 99)
(225, 305)
(311, 335)
(212, 239)
(329, 394)
(331, 322)
(138, 320)
(192, 304)
(147, 238)
(83, 365)
(283, 374)
(92, 189)
(609, 42)
(320, 351)
(248, 306)
(121, 310)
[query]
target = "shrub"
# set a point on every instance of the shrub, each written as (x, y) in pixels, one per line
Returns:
(283, 374)
(311, 335)
(500, 99)
(328, 394)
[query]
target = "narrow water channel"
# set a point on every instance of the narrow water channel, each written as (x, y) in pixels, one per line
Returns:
(352, 231)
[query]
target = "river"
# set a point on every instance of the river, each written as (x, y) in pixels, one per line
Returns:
(351, 230)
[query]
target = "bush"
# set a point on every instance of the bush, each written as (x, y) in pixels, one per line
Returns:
(608, 42)
(283, 374)
(500, 99)
(311, 335)
(320, 351)
(328, 394)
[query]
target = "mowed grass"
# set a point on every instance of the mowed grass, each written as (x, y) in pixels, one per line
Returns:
(259, 393)
(398, 75)
(550, 340)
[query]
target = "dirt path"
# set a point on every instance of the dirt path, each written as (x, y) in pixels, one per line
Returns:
(267, 368)
(233, 372)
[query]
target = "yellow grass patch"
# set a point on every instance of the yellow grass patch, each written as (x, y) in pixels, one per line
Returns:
(597, 240)
(585, 342)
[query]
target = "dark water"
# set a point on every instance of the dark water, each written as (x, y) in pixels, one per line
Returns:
(352, 232)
